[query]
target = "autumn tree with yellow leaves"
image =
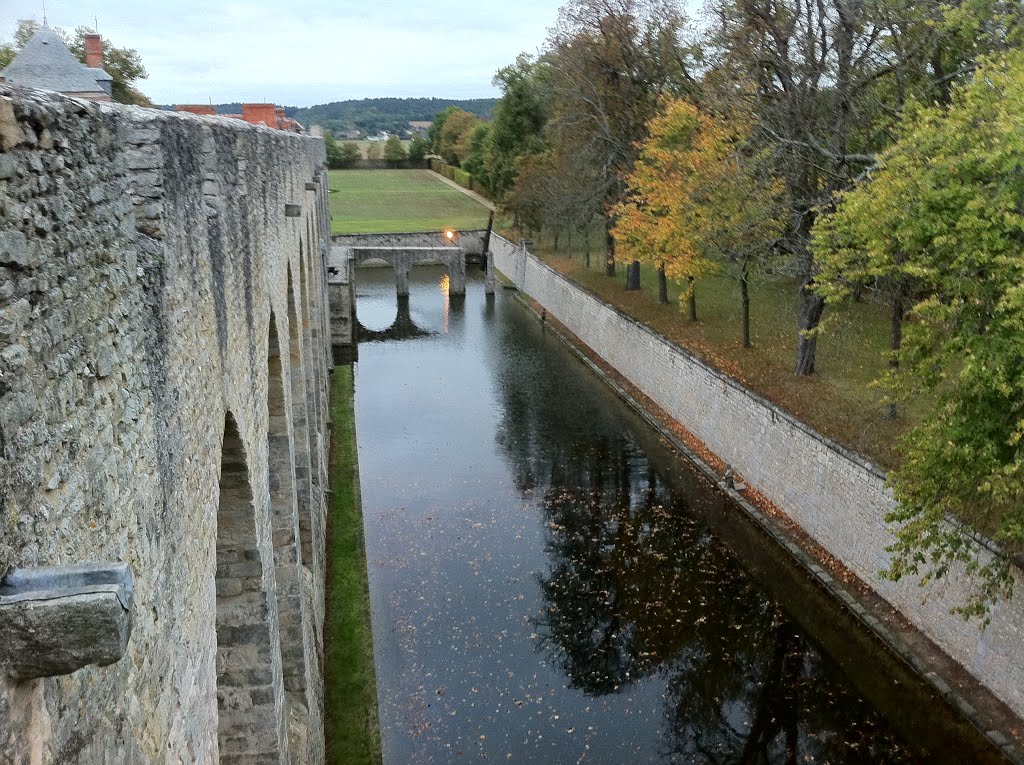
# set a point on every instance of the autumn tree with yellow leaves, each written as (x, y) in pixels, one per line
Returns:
(700, 199)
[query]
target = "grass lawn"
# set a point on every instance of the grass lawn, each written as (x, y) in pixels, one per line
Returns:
(837, 401)
(350, 688)
(382, 201)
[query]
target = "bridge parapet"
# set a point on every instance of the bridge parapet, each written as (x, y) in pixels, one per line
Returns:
(403, 258)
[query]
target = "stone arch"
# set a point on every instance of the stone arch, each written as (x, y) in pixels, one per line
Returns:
(251, 720)
(298, 664)
(388, 305)
(313, 367)
(311, 554)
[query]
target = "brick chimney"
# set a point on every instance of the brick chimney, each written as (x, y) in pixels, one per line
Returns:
(260, 113)
(94, 51)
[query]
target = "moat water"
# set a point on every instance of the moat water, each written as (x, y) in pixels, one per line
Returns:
(552, 583)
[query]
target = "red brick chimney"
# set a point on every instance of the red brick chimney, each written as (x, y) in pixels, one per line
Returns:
(94, 51)
(260, 113)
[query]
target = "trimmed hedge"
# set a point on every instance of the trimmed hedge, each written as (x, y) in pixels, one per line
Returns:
(460, 176)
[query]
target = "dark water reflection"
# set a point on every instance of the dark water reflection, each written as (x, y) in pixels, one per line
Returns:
(551, 583)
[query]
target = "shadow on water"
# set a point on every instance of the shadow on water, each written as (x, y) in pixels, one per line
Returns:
(403, 328)
(655, 572)
(553, 583)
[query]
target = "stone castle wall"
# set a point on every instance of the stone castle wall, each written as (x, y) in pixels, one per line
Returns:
(164, 355)
(833, 494)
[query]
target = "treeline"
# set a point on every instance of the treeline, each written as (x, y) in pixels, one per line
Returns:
(373, 115)
(392, 153)
(850, 146)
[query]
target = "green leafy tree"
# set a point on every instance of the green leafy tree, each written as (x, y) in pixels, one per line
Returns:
(473, 162)
(394, 151)
(517, 125)
(434, 134)
(373, 151)
(827, 81)
(944, 213)
(349, 155)
(453, 141)
(418, 148)
(332, 150)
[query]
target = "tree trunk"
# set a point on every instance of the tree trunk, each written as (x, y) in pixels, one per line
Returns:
(745, 301)
(586, 246)
(487, 242)
(568, 246)
(662, 285)
(487, 233)
(609, 245)
(557, 234)
(633, 276)
(691, 298)
(896, 340)
(810, 309)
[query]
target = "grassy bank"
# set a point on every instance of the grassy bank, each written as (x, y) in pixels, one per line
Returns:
(387, 201)
(837, 401)
(350, 690)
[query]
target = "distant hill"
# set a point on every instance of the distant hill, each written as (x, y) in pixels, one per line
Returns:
(371, 115)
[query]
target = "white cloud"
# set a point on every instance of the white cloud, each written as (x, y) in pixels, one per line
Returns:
(308, 51)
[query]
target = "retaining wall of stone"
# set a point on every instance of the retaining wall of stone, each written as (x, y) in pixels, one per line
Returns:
(163, 392)
(835, 495)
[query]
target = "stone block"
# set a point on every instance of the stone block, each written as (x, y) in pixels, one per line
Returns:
(10, 131)
(56, 620)
(13, 247)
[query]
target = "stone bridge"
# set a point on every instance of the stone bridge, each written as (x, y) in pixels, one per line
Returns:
(403, 251)
(164, 367)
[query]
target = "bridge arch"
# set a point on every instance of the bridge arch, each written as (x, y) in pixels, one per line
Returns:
(295, 624)
(251, 720)
(402, 259)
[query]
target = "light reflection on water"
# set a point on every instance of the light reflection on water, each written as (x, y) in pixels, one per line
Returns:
(551, 584)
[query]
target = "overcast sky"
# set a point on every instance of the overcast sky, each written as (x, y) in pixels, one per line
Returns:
(303, 52)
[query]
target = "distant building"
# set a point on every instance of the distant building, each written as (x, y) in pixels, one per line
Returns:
(381, 136)
(45, 63)
(270, 115)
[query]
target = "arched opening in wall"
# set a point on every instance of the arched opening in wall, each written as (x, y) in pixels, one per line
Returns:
(314, 385)
(300, 427)
(311, 520)
(377, 291)
(293, 619)
(251, 724)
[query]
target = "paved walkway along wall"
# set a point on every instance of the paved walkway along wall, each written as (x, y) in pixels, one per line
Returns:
(164, 355)
(832, 493)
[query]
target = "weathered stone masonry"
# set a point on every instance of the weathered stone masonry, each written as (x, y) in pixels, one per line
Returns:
(163, 399)
(834, 495)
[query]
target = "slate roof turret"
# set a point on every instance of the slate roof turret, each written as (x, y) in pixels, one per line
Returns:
(46, 63)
